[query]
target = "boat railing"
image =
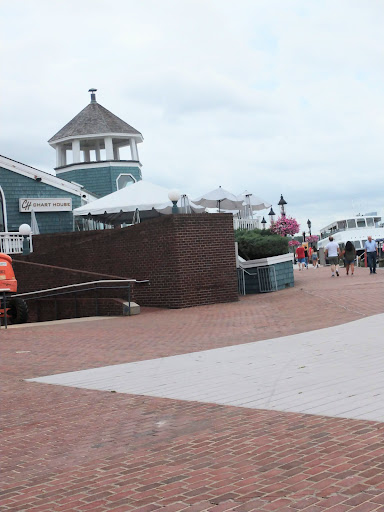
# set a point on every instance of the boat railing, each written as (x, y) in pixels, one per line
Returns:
(326, 234)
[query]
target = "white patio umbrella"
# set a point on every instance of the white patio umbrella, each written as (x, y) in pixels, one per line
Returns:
(34, 225)
(252, 203)
(255, 202)
(184, 204)
(221, 199)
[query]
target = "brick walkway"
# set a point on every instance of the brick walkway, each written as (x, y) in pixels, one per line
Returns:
(68, 449)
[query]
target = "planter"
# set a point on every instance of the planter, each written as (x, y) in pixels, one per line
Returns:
(266, 274)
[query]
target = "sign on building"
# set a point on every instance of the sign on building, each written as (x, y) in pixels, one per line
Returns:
(42, 204)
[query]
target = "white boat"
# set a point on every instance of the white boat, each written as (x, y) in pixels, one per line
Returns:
(356, 229)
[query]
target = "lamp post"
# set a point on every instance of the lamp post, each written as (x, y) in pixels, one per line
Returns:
(282, 204)
(25, 230)
(309, 224)
(263, 222)
(271, 216)
(174, 196)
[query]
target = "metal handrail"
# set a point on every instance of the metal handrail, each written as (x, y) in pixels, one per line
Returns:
(81, 284)
(71, 288)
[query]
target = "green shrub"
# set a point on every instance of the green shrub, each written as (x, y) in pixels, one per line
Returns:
(262, 232)
(258, 244)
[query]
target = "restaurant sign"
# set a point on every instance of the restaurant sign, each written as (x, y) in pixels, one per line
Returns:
(49, 204)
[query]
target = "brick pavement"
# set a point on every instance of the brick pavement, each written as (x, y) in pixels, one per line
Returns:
(66, 449)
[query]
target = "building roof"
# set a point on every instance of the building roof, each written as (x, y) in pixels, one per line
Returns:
(92, 120)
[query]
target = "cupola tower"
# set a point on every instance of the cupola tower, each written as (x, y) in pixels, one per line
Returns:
(88, 150)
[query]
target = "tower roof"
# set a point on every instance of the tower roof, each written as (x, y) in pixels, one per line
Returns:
(94, 119)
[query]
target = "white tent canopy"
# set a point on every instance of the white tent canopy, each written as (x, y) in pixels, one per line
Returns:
(149, 199)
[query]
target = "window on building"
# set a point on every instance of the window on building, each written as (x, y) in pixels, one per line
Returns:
(351, 223)
(369, 221)
(357, 244)
(124, 180)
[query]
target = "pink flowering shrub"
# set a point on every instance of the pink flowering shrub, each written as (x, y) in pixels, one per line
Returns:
(312, 238)
(293, 243)
(285, 226)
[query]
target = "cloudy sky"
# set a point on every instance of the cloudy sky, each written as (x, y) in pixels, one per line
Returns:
(273, 96)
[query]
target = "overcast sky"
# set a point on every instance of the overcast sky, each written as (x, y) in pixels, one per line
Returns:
(273, 96)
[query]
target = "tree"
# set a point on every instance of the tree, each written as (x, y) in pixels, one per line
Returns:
(285, 226)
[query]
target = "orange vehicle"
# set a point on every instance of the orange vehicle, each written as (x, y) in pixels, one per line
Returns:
(16, 308)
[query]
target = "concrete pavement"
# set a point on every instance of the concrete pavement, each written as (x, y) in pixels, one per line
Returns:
(336, 371)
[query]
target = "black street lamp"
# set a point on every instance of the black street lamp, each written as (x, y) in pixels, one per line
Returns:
(282, 204)
(309, 224)
(271, 215)
(263, 222)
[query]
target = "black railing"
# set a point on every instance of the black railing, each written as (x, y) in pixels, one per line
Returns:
(75, 289)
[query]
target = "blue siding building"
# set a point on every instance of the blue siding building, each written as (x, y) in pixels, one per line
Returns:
(24, 188)
(88, 166)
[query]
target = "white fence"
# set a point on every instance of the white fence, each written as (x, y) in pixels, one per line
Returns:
(12, 243)
(246, 224)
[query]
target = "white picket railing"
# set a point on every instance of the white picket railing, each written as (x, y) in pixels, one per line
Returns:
(246, 224)
(12, 243)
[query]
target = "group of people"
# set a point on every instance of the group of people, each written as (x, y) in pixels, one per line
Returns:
(333, 253)
(304, 255)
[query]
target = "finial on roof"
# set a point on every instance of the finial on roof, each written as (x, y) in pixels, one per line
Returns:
(93, 95)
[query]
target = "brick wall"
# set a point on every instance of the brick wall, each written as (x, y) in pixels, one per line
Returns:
(36, 276)
(47, 242)
(46, 310)
(189, 259)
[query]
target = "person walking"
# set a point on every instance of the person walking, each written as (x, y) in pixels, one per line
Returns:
(349, 254)
(371, 252)
(300, 253)
(332, 252)
(306, 257)
(315, 258)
